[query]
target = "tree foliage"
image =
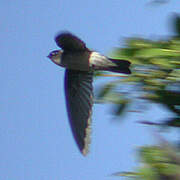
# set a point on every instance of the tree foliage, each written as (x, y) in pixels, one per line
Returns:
(156, 72)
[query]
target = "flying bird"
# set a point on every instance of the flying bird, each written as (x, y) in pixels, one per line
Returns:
(80, 63)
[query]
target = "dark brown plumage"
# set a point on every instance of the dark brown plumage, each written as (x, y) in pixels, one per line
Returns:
(80, 62)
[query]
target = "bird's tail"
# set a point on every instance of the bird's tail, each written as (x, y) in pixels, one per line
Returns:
(122, 66)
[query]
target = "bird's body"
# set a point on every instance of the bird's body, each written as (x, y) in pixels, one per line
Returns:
(76, 60)
(80, 62)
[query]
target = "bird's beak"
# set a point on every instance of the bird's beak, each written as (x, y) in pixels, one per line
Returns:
(48, 56)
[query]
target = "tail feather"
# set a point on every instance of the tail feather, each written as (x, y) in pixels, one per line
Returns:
(122, 66)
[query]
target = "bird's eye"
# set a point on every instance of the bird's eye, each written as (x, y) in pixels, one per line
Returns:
(54, 52)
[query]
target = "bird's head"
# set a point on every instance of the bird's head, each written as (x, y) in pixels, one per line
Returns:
(55, 56)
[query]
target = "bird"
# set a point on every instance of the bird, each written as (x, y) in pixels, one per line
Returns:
(80, 63)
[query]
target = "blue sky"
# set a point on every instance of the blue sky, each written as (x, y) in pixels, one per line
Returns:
(36, 141)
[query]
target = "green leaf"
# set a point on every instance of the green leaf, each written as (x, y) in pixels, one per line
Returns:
(157, 52)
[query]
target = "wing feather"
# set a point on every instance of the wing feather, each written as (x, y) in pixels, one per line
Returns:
(69, 42)
(79, 101)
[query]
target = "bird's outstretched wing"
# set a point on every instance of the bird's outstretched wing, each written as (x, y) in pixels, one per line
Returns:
(69, 42)
(79, 101)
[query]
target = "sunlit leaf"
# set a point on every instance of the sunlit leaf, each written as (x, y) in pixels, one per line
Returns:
(155, 52)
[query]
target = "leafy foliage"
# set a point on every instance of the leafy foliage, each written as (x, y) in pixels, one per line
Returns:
(156, 72)
(158, 162)
(156, 69)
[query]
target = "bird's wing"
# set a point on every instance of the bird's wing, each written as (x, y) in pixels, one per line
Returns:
(69, 42)
(79, 101)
